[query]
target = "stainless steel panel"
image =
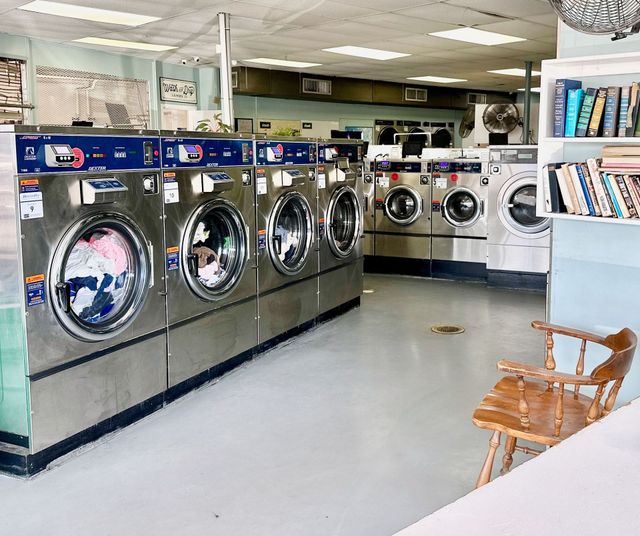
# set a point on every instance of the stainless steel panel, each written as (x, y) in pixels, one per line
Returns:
(341, 285)
(48, 343)
(368, 244)
(369, 197)
(518, 258)
(406, 247)
(423, 224)
(287, 308)
(459, 249)
(211, 339)
(70, 401)
(182, 302)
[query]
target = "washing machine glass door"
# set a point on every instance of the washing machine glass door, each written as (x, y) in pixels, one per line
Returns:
(343, 215)
(441, 138)
(403, 205)
(517, 210)
(387, 136)
(100, 276)
(461, 207)
(214, 251)
(290, 233)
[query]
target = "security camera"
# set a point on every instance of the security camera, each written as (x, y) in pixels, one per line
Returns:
(184, 62)
(196, 59)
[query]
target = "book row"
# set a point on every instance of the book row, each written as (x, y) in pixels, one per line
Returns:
(604, 111)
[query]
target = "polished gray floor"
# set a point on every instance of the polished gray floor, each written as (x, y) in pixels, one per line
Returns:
(359, 427)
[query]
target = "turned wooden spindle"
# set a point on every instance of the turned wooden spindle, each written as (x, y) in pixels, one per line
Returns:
(523, 405)
(487, 467)
(580, 367)
(594, 409)
(611, 399)
(559, 410)
(550, 362)
(507, 459)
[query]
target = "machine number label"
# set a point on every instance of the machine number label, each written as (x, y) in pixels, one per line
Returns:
(440, 182)
(261, 182)
(171, 191)
(35, 290)
(322, 181)
(31, 206)
(383, 182)
(262, 239)
(173, 258)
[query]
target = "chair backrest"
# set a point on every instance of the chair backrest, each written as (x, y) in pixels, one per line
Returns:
(623, 347)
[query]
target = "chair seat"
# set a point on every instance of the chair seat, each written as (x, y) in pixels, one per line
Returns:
(499, 411)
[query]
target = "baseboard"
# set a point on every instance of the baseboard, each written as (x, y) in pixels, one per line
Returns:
(464, 271)
(517, 280)
(397, 265)
(339, 311)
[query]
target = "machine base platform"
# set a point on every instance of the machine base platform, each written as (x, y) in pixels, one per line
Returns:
(517, 280)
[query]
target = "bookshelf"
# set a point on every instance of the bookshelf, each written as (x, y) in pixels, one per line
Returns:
(593, 71)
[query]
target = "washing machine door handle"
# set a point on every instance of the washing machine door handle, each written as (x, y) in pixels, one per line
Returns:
(63, 290)
(192, 264)
(277, 244)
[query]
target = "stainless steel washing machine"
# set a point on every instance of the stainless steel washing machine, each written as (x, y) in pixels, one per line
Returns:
(340, 223)
(286, 222)
(518, 239)
(210, 250)
(459, 225)
(403, 216)
(82, 309)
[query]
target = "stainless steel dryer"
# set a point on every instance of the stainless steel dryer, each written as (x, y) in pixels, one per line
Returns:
(286, 219)
(403, 216)
(340, 194)
(82, 304)
(210, 250)
(459, 224)
(518, 239)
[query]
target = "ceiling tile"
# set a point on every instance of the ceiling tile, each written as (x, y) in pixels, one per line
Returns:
(448, 13)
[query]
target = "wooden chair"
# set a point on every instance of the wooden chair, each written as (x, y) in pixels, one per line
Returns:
(537, 410)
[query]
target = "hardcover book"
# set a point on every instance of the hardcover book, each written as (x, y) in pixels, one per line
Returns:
(598, 111)
(560, 104)
(585, 111)
(611, 107)
(575, 97)
(624, 109)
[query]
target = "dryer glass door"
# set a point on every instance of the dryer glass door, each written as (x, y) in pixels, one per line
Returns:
(518, 209)
(100, 276)
(215, 249)
(461, 207)
(344, 222)
(403, 205)
(290, 233)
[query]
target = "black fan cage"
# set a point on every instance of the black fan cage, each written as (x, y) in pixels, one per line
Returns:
(598, 16)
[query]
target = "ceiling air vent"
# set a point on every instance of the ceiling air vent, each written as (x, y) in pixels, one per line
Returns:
(476, 98)
(415, 94)
(315, 86)
(234, 80)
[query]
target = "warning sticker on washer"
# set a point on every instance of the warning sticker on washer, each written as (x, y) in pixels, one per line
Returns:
(173, 258)
(31, 206)
(171, 191)
(383, 182)
(261, 182)
(321, 227)
(440, 182)
(262, 239)
(322, 181)
(34, 286)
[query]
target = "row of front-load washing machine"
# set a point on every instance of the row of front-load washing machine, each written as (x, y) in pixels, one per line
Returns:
(138, 265)
(458, 217)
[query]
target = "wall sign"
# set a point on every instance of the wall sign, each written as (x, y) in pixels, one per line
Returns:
(307, 125)
(265, 124)
(173, 90)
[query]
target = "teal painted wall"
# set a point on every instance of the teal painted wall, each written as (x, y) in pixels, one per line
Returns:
(595, 267)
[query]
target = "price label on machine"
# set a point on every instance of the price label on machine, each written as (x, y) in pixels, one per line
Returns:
(31, 205)
(440, 182)
(322, 181)
(171, 191)
(261, 182)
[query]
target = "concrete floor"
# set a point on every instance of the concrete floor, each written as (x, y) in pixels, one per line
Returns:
(359, 427)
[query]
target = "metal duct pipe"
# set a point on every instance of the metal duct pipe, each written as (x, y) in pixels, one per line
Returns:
(226, 87)
(527, 103)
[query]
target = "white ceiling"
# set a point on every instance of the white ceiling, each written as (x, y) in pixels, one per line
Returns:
(300, 30)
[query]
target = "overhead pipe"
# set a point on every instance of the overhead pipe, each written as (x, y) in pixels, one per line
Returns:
(226, 86)
(527, 103)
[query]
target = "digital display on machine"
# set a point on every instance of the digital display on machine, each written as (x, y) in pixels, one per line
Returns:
(62, 150)
(457, 167)
(190, 148)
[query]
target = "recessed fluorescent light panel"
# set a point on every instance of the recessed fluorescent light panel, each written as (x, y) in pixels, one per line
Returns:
(370, 53)
(479, 37)
(123, 44)
(437, 79)
(284, 63)
(87, 13)
(533, 89)
(515, 72)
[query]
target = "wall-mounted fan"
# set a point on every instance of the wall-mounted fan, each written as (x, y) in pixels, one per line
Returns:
(600, 16)
(468, 122)
(501, 118)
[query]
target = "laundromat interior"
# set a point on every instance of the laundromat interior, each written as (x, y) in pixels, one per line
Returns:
(362, 268)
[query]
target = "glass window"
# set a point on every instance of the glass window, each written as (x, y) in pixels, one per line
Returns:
(402, 205)
(461, 207)
(292, 233)
(522, 206)
(344, 222)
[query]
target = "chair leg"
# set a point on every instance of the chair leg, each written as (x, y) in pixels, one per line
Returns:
(485, 473)
(507, 459)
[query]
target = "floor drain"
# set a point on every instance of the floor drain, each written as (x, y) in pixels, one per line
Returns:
(442, 329)
(368, 291)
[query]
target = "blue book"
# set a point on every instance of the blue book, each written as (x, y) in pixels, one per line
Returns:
(624, 110)
(575, 98)
(560, 104)
(611, 108)
(585, 190)
(616, 207)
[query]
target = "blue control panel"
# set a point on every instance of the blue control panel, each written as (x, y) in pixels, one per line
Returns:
(285, 153)
(457, 167)
(329, 151)
(205, 152)
(46, 153)
(401, 167)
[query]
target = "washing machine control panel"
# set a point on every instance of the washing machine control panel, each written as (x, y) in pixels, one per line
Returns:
(205, 152)
(402, 167)
(285, 153)
(332, 151)
(189, 153)
(59, 155)
(457, 167)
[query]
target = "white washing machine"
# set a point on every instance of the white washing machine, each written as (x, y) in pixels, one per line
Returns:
(518, 240)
